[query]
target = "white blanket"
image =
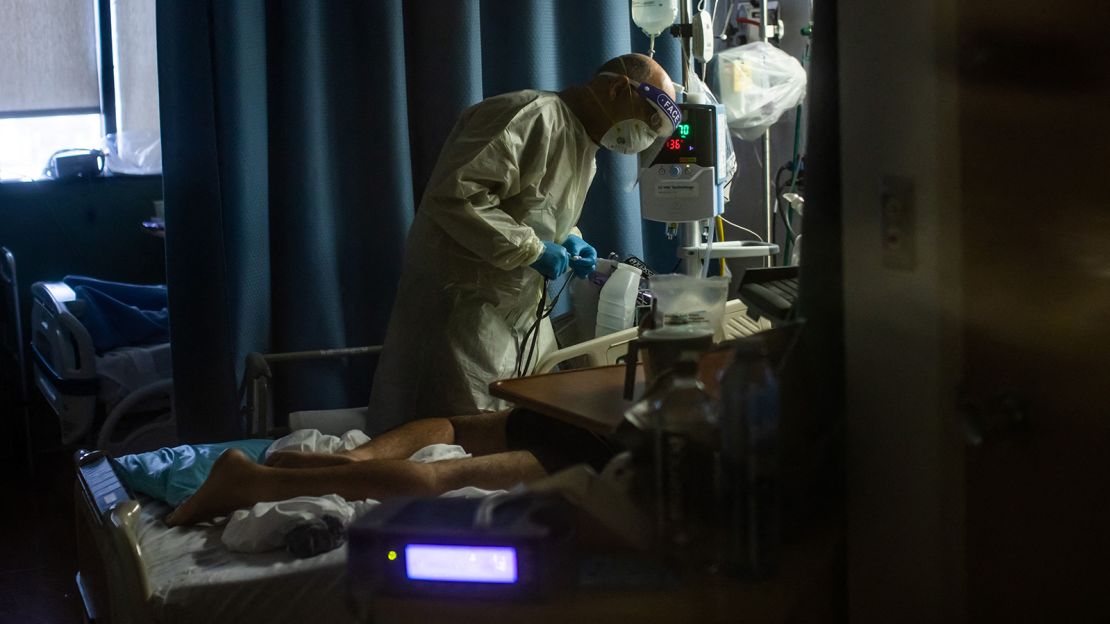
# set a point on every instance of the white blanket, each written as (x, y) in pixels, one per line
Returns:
(312, 441)
(264, 526)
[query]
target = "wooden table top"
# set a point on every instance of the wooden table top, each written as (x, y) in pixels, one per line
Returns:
(590, 398)
(593, 398)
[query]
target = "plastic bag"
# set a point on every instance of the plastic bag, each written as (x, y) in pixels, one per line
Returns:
(759, 83)
(137, 152)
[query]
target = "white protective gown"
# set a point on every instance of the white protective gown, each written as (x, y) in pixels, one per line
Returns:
(513, 172)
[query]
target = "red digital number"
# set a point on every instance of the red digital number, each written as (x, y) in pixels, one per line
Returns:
(674, 145)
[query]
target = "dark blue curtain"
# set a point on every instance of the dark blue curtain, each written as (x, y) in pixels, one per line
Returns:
(297, 137)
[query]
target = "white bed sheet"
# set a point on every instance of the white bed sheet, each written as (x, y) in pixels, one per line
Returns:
(195, 579)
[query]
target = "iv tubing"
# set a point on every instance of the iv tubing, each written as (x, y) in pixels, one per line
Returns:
(708, 250)
(721, 237)
(768, 204)
(740, 227)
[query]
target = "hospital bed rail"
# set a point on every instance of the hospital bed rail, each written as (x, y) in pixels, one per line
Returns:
(111, 578)
(611, 348)
(256, 389)
(65, 372)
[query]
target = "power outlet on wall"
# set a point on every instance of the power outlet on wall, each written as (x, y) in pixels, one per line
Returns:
(897, 224)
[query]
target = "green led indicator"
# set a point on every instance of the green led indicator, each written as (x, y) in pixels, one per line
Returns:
(684, 130)
(391, 555)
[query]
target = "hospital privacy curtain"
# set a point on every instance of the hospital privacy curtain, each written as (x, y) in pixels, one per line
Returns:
(297, 137)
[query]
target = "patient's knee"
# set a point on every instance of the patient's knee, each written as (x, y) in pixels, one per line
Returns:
(481, 434)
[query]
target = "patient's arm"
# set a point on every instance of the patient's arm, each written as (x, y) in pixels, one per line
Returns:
(479, 434)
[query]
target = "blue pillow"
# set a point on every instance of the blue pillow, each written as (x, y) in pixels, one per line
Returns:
(173, 474)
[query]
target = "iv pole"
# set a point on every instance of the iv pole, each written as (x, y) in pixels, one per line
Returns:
(768, 193)
(693, 231)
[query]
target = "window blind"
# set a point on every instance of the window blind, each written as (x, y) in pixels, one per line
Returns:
(48, 57)
(136, 61)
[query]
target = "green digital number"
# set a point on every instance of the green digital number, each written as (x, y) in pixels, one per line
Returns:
(684, 130)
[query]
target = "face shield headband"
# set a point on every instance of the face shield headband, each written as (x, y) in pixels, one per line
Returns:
(658, 99)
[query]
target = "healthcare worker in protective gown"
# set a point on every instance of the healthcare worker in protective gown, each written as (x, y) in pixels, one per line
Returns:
(498, 216)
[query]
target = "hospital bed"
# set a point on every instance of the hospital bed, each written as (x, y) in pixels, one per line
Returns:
(132, 568)
(135, 570)
(122, 396)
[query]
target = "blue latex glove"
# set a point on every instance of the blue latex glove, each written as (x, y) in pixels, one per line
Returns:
(553, 261)
(583, 257)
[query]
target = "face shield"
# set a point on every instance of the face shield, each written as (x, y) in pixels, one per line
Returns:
(666, 115)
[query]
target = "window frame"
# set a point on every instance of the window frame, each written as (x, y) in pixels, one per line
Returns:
(105, 65)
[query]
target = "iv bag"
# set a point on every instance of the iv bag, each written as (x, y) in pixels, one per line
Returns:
(654, 16)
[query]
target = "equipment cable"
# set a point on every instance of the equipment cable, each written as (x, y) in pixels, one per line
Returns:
(542, 311)
(740, 227)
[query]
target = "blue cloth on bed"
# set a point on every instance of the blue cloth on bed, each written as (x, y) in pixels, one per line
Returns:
(118, 315)
(173, 474)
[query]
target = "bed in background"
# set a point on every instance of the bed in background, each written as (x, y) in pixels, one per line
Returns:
(119, 397)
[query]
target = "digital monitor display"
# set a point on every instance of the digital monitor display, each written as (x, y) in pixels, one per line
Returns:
(469, 564)
(692, 140)
(680, 139)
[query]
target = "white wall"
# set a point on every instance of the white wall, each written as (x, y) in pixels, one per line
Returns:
(898, 118)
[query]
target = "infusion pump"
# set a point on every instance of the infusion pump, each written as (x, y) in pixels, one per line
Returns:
(685, 179)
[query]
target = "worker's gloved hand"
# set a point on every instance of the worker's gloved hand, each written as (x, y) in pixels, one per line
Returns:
(583, 257)
(553, 261)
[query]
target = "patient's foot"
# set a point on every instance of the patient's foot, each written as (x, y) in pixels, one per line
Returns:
(227, 488)
(299, 459)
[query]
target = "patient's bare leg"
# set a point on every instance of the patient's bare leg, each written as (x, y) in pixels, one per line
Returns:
(479, 434)
(237, 482)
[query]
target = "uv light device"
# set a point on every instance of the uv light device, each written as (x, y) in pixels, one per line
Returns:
(508, 547)
(686, 178)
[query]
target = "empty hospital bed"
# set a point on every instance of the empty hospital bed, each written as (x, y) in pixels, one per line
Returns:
(121, 398)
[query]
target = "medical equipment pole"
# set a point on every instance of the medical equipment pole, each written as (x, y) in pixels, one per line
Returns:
(768, 193)
(691, 230)
(684, 41)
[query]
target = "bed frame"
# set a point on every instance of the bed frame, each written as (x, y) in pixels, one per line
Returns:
(65, 373)
(111, 578)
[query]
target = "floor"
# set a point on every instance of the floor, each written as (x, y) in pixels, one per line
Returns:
(37, 543)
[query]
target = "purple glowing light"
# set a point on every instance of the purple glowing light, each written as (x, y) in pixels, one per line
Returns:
(470, 564)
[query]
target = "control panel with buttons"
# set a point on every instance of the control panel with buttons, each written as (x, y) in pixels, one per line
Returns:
(683, 182)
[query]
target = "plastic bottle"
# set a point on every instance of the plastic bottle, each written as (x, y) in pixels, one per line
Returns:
(654, 16)
(674, 439)
(616, 306)
(748, 489)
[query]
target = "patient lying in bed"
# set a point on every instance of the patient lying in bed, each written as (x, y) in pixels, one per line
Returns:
(508, 448)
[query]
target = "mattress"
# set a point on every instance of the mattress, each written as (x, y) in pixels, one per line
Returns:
(195, 579)
(126, 369)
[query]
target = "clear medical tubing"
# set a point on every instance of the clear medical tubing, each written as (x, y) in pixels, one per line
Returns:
(616, 306)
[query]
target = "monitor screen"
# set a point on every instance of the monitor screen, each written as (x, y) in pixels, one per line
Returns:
(692, 140)
(471, 564)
